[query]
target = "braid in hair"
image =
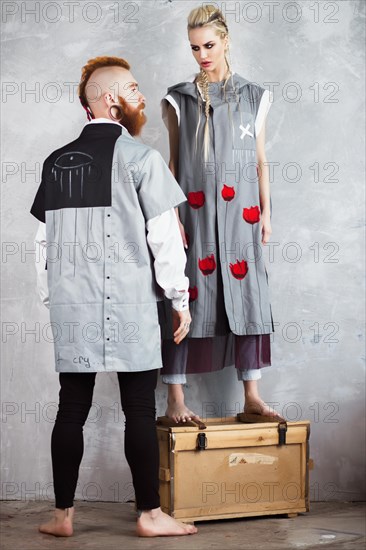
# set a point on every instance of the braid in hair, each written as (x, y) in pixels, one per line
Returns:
(202, 82)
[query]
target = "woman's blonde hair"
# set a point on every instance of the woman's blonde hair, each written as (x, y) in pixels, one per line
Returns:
(207, 16)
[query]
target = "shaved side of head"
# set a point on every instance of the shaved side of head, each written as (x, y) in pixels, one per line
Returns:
(106, 80)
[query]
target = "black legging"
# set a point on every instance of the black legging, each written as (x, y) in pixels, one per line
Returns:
(137, 391)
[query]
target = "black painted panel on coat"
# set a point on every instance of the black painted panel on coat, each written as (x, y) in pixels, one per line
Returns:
(79, 174)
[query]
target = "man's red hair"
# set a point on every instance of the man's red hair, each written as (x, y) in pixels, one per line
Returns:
(91, 66)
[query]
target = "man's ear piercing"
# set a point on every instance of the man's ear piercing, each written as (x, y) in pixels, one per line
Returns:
(115, 112)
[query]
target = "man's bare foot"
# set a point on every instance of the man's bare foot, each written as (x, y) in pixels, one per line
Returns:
(178, 412)
(155, 523)
(61, 524)
(258, 406)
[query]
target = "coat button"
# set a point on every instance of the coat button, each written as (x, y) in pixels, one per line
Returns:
(108, 277)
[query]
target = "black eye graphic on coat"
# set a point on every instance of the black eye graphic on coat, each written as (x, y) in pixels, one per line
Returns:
(72, 170)
(73, 160)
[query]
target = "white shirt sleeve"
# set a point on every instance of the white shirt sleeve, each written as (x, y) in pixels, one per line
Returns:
(264, 106)
(164, 108)
(165, 241)
(42, 283)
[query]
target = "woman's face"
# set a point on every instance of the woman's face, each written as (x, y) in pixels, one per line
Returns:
(208, 48)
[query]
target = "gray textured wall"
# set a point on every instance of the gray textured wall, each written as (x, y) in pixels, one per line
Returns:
(313, 56)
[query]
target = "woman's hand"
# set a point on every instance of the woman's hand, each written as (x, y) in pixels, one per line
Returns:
(183, 233)
(266, 227)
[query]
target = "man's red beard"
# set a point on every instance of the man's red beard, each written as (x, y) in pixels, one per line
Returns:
(132, 117)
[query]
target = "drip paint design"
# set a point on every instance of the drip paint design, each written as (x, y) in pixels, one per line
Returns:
(72, 165)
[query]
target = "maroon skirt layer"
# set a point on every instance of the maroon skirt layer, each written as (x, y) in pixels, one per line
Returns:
(196, 355)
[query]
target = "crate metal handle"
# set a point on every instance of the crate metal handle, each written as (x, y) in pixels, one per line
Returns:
(201, 441)
(282, 429)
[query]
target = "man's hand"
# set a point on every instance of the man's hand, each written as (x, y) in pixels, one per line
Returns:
(181, 324)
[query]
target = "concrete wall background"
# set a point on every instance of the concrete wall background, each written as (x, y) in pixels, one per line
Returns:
(313, 56)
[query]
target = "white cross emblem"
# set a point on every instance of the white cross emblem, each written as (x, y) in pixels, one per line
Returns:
(245, 131)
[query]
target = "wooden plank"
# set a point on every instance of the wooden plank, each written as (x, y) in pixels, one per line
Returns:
(239, 511)
(216, 479)
(199, 516)
(229, 424)
(186, 441)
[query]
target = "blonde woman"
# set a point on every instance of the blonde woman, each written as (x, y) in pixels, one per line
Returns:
(216, 124)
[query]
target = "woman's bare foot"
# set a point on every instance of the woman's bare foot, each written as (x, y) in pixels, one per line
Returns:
(61, 524)
(254, 404)
(177, 409)
(155, 523)
(258, 406)
(180, 413)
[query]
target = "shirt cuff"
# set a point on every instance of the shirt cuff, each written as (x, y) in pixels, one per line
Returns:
(181, 303)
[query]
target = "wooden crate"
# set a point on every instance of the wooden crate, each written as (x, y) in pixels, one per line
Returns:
(232, 469)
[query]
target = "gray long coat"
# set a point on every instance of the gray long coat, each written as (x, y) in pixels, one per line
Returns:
(96, 195)
(221, 217)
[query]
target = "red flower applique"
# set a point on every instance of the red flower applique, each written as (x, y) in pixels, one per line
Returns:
(193, 293)
(252, 214)
(228, 193)
(196, 199)
(207, 265)
(239, 270)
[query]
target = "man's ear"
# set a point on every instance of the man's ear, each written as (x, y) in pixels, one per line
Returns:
(109, 99)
